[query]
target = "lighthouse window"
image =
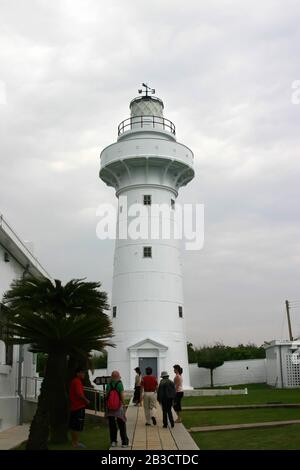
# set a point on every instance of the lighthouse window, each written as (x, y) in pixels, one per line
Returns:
(147, 251)
(172, 203)
(114, 312)
(147, 200)
(180, 311)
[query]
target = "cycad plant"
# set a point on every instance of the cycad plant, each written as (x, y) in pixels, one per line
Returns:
(66, 322)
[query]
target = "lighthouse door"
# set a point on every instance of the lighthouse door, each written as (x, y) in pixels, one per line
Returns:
(148, 362)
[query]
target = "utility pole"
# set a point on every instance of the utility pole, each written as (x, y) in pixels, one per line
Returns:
(287, 306)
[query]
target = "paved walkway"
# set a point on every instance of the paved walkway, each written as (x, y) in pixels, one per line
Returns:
(240, 407)
(13, 437)
(142, 437)
(229, 427)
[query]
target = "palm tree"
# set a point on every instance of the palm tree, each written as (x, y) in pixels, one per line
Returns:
(64, 322)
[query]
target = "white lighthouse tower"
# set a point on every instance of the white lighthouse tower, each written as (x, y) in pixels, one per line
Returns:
(147, 166)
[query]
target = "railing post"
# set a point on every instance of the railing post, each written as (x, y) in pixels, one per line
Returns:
(25, 388)
(35, 387)
(95, 400)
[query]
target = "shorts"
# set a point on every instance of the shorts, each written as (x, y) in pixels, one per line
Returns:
(76, 421)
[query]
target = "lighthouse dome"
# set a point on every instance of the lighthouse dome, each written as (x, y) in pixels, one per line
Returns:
(146, 106)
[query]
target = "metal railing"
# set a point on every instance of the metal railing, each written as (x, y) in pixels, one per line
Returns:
(31, 389)
(98, 398)
(137, 122)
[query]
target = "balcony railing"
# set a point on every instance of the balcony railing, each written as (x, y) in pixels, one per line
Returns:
(146, 122)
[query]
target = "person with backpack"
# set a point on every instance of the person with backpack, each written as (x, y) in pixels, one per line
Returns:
(115, 410)
(165, 395)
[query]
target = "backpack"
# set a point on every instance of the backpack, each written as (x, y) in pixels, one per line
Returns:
(113, 400)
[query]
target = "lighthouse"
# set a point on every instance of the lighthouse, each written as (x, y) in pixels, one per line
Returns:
(147, 167)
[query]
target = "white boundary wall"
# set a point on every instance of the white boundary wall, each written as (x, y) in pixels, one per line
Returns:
(230, 373)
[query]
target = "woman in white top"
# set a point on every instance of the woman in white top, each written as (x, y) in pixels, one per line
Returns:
(179, 391)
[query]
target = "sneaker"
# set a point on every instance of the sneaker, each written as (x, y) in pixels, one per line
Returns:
(80, 446)
(148, 424)
(114, 444)
(125, 445)
(172, 425)
(154, 420)
(165, 426)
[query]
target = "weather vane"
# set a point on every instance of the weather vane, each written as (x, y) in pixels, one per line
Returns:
(147, 90)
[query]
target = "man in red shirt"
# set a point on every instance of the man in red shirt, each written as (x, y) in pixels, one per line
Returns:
(78, 403)
(149, 386)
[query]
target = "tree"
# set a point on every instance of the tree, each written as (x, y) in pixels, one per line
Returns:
(243, 352)
(230, 353)
(99, 362)
(210, 357)
(64, 322)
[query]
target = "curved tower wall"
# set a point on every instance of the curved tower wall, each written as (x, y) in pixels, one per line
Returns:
(147, 299)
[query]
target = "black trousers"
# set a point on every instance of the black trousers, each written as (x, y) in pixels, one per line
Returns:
(113, 430)
(177, 401)
(137, 394)
(166, 405)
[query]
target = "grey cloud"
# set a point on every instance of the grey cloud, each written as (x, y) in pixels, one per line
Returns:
(224, 70)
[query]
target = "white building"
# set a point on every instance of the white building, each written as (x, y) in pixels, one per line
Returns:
(16, 261)
(147, 166)
(283, 363)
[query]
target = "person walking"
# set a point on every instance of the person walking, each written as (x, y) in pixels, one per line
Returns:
(115, 410)
(78, 403)
(165, 395)
(137, 387)
(179, 391)
(149, 387)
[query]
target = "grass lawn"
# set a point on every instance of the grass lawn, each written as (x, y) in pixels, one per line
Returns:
(257, 393)
(281, 438)
(218, 417)
(94, 436)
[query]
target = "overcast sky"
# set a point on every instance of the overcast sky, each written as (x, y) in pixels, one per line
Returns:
(225, 69)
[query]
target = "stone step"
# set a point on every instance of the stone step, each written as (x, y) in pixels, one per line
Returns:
(229, 427)
(240, 407)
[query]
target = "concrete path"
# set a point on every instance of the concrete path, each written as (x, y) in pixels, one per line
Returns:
(229, 427)
(240, 407)
(13, 437)
(142, 437)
